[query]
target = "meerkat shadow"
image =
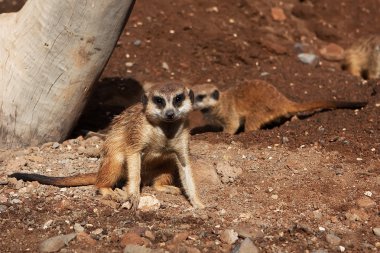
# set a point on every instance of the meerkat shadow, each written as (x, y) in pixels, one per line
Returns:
(109, 97)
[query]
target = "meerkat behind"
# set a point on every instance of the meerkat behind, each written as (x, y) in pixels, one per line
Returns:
(144, 144)
(252, 105)
(363, 58)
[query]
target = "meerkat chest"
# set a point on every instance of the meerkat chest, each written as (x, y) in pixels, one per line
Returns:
(159, 145)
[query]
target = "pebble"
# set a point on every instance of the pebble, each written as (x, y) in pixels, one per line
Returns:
(332, 52)
(136, 249)
(247, 246)
(129, 64)
(278, 14)
(149, 234)
(341, 248)
(365, 202)
(55, 145)
(97, 231)
(148, 203)
(368, 193)
(333, 239)
(55, 243)
(3, 208)
(376, 231)
(83, 237)
(47, 224)
(132, 238)
(356, 215)
(180, 237)
(229, 236)
(228, 173)
(308, 58)
(137, 43)
(165, 66)
(78, 228)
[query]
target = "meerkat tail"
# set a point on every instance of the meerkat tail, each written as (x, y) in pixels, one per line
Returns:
(77, 180)
(323, 105)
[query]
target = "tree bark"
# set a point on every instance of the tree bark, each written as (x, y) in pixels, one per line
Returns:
(51, 53)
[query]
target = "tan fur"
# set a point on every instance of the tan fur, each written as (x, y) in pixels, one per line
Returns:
(145, 147)
(363, 58)
(253, 104)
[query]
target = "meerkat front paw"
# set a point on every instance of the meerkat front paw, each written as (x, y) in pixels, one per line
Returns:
(135, 200)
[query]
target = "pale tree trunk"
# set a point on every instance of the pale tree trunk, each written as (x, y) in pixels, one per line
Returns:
(51, 52)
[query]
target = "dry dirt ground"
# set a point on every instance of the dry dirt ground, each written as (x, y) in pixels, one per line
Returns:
(310, 185)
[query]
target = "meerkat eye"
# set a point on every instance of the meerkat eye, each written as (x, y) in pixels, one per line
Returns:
(159, 101)
(199, 98)
(215, 95)
(178, 99)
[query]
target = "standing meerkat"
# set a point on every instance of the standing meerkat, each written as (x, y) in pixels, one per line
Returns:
(143, 145)
(252, 105)
(363, 58)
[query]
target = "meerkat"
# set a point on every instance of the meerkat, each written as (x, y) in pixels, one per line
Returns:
(143, 145)
(362, 59)
(252, 105)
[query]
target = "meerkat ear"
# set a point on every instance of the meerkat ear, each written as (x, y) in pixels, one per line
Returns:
(144, 99)
(191, 95)
(215, 95)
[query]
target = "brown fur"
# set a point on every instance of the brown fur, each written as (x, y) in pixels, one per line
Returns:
(363, 58)
(142, 146)
(254, 104)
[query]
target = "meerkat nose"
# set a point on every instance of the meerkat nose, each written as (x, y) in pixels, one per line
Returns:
(169, 114)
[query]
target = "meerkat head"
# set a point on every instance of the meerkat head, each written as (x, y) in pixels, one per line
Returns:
(168, 102)
(206, 96)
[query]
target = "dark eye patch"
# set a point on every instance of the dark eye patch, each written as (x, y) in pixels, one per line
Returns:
(215, 95)
(159, 101)
(199, 98)
(177, 101)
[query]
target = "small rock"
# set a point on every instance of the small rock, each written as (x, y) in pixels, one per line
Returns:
(180, 237)
(192, 250)
(333, 239)
(341, 248)
(367, 193)
(148, 203)
(136, 249)
(204, 173)
(165, 66)
(308, 58)
(320, 251)
(356, 215)
(229, 236)
(97, 231)
(278, 14)
(47, 224)
(55, 145)
(3, 198)
(247, 246)
(3, 208)
(83, 237)
(137, 43)
(129, 64)
(227, 172)
(131, 238)
(14, 183)
(332, 52)
(55, 243)
(376, 231)
(365, 202)
(78, 228)
(149, 234)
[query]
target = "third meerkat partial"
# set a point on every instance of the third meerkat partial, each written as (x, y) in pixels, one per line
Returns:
(252, 105)
(363, 58)
(143, 145)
